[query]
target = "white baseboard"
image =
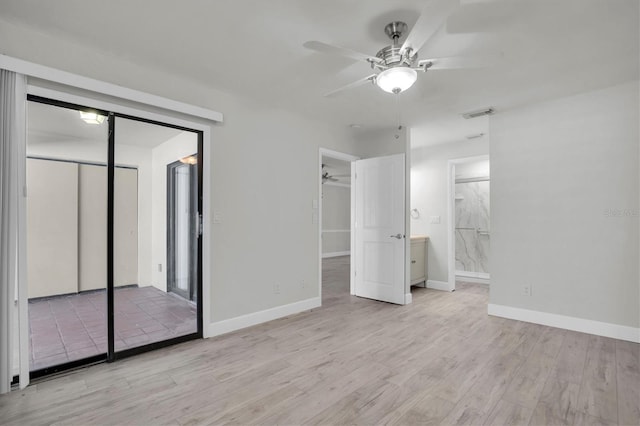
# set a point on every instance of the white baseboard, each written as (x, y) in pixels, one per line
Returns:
(336, 254)
(469, 274)
(472, 280)
(408, 298)
(615, 331)
(438, 285)
(244, 321)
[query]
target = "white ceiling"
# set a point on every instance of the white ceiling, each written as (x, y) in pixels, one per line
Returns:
(549, 48)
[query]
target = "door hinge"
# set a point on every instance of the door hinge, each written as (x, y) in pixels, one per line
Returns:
(200, 224)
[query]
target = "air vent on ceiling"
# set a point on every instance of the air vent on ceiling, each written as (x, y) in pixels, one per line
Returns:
(478, 113)
(476, 136)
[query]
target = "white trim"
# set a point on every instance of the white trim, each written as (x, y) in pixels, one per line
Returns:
(471, 274)
(336, 254)
(408, 298)
(324, 152)
(23, 297)
(451, 209)
(338, 184)
(407, 217)
(115, 107)
(62, 77)
(335, 230)
(248, 320)
(473, 280)
(207, 229)
(439, 285)
(614, 331)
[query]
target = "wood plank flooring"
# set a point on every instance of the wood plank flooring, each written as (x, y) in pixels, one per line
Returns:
(440, 360)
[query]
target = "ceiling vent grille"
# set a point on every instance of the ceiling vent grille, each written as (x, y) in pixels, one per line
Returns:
(478, 113)
(476, 136)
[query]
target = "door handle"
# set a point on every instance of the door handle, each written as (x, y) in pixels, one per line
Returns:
(398, 236)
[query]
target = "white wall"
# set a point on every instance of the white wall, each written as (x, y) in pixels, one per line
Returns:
(266, 235)
(180, 146)
(336, 219)
(565, 211)
(429, 194)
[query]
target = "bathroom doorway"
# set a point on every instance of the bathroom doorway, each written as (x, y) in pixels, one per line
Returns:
(470, 224)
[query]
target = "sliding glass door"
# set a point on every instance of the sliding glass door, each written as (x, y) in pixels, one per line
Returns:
(114, 263)
(149, 305)
(66, 236)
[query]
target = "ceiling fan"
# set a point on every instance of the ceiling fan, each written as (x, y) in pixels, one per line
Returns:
(397, 65)
(326, 177)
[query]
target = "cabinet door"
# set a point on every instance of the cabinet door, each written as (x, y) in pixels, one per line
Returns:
(417, 262)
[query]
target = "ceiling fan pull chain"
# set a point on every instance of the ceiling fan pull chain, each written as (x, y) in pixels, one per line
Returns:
(398, 112)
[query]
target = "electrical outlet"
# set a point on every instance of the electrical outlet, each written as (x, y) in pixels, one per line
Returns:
(434, 219)
(302, 284)
(526, 290)
(159, 267)
(276, 289)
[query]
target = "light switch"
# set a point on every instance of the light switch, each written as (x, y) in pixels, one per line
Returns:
(217, 217)
(314, 204)
(314, 218)
(435, 219)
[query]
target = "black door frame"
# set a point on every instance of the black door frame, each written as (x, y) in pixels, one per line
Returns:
(194, 228)
(112, 354)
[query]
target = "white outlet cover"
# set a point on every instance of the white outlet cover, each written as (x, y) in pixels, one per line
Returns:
(435, 219)
(314, 204)
(217, 217)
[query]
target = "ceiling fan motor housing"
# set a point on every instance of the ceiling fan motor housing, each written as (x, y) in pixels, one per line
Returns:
(392, 56)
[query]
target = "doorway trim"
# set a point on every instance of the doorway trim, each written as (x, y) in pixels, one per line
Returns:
(451, 211)
(324, 152)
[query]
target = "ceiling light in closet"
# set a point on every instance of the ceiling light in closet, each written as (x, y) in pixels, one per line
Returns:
(91, 117)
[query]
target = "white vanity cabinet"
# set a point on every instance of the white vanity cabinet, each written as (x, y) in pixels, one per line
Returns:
(419, 260)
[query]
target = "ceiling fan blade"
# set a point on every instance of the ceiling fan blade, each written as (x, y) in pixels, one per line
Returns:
(460, 62)
(319, 46)
(433, 16)
(356, 83)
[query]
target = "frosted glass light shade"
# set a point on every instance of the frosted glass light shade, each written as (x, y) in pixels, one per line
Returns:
(91, 117)
(396, 80)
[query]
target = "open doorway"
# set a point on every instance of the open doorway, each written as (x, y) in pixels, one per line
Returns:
(335, 226)
(470, 223)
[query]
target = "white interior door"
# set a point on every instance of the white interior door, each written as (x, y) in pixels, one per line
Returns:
(380, 228)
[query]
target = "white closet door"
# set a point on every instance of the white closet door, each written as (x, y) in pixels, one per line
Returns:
(125, 238)
(52, 228)
(92, 238)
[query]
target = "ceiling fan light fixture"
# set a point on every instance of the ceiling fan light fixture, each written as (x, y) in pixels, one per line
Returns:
(397, 79)
(91, 117)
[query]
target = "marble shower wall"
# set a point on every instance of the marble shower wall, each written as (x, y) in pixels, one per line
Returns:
(472, 227)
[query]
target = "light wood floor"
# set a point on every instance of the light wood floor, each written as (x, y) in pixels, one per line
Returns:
(440, 360)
